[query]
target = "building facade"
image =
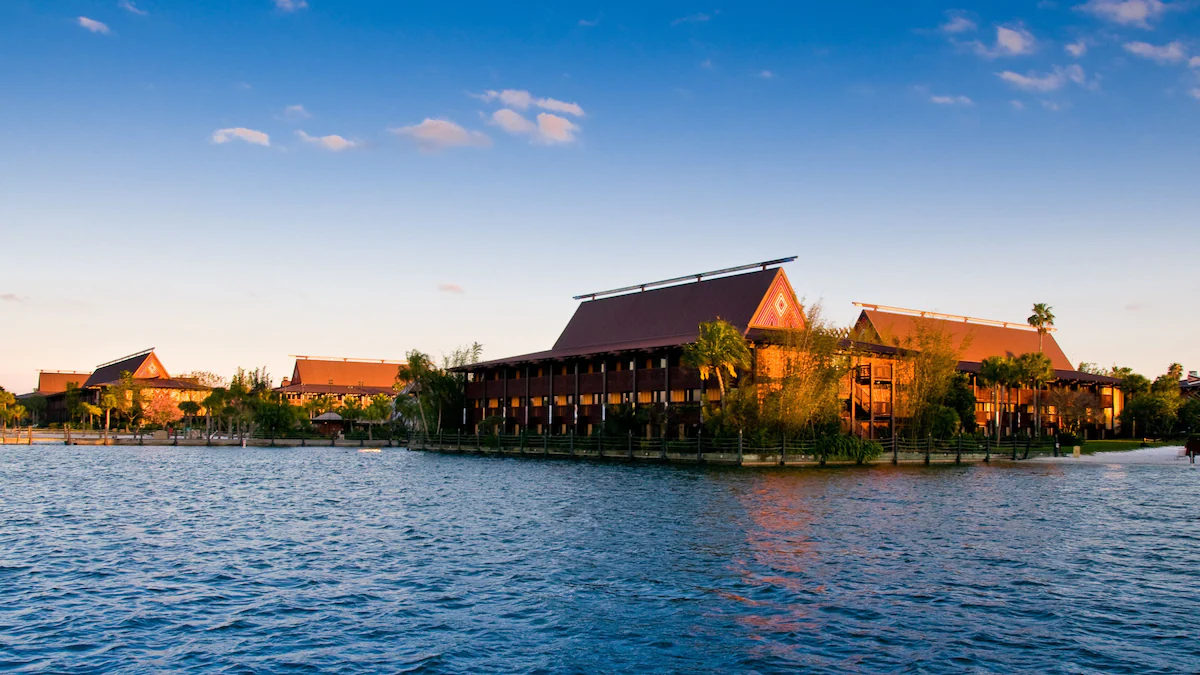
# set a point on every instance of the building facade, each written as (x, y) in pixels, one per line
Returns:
(340, 379)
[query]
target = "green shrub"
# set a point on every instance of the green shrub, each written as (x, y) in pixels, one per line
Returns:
(843, 448)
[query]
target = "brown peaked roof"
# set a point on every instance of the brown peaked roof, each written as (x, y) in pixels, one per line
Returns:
(54, 382)
(667, 317)
(345, 373)
(981, 340)
(143, 366)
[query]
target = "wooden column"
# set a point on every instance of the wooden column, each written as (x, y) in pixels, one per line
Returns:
(633, 397)
(576, 423)
(504, 403)
(550, 403)
(604, 390)
(526, 398)
(871, 396)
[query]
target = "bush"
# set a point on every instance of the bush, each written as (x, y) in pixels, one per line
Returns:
(1067, 440)
(845, 448)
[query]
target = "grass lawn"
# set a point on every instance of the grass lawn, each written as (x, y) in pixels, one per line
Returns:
(1121, 445)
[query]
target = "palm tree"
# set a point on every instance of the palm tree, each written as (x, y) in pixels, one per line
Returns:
(213, 404)
(993, 372)
(1038, 371)
(719, 348)
(378, 411)
(1043, 320)
(351, 411)
(418, 369)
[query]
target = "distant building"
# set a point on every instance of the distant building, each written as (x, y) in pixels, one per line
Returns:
(147, 371)
(626, 347)
(57, 381)
(1191, 385)
(342, 379)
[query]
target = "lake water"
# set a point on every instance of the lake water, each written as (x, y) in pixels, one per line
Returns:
(261, 560)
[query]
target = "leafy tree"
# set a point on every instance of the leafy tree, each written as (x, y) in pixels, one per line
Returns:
(1092, 368)
(351, 411)
(110, 400)
(36, 405)
(274, 414)
(1188, 417)
(7, 402)
(419, 371)
(800, 376)
(930, 357)
(1043, 320)
(719, 348)
(320, 405)
(214, 406)
(161, 410)
(994, 373)
(378, 411)
(1075, 408)
(1156, 413)
(961, 400)
(190, 409)
(1037, 371)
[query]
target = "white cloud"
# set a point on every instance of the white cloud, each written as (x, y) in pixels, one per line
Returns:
(555, 129)
(1051, 106)
(432, 135)
(296, 112)
(1051, 81)
(707, 64)
(1012, 40)
(513, 122)
(521, 100)
(290, 5)
(957, 22)
(549, 129)
(1017, 105)
(1173, 52)
(243, 134)
(589, 23)
(93, 25)
(1195, 93)
(766, 75)
(332, 142)
(951, 100)
(692, 18)
(1194, 62)
(1077, 49)
(128, 5)
(1126, 12)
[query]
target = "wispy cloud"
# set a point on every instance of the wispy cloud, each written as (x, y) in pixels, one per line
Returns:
(129, 6)
(290, 5)
(296, 112)
(1195, 93)
(1077, 49)
(241, 134)
(951, 100)
(589, 23)
(1173, 52)
(333, 142)
(707, 64)
(765, 74)
(958, 21)
(11, 297)
(1052, 106)
(699, 17)
(549, 129)
(434, 135)
(93, 25)
(1138, 13)
(1051, 81)
(520, 99)
(1194, 62)
(451, 288)
(1017, 105)
(1012, 40)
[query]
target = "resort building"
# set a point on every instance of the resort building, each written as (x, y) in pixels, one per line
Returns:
(148, 374)
(57, 381)
(341, 379)
(625, 347)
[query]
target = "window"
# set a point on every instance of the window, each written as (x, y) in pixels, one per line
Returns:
(493, 403)
(679, 396)
(614, 398)
(515, 402)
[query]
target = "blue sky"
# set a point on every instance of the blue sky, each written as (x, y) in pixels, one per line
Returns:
(236, 181)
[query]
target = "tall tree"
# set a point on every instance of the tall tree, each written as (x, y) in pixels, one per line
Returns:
(214, 406)
(1043, 320)
(720, 348)
(993, 372)
(7, 401)
(378, 411)
(1038, 372)
(419, 371)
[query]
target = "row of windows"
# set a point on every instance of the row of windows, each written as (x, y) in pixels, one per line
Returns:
(614, 398)
(645, 363)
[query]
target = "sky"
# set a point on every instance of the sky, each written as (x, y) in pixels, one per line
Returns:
(234, 182)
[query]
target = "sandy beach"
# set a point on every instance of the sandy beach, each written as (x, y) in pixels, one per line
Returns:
(1169, 456)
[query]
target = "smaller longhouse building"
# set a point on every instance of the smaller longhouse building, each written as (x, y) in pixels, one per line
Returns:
(148, 374)
(342, 379)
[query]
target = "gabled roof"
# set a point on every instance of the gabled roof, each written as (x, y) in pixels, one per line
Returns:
(55, 381)
(345, 372)
(671, 315)
(977, 340)
(143, 366)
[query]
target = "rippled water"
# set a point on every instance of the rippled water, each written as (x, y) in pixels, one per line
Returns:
(258, 560)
